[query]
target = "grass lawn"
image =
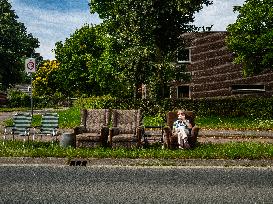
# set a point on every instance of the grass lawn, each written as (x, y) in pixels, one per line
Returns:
(236, 123)
(71, 118)
(231, 150)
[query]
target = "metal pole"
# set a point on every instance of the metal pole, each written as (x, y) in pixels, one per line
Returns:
(31, 98)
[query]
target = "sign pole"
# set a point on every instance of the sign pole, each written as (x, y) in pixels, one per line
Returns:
(30, 67)
(31, 98)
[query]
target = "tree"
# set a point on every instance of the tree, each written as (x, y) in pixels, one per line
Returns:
(251, 36)
(45, 83)
(15, 44)
(148, 31)
(88, 64)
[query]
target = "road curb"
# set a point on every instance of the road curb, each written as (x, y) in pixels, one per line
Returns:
(136, 162)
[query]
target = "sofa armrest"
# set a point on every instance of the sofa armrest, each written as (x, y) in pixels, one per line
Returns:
(79, 130)
(167, 130)
(112, 132)
(104, 132)
(195, 131)
(167, 133)
(139, 134)
(192, 140)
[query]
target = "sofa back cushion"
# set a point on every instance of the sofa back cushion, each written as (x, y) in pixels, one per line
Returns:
(126, 120)
(94, 119)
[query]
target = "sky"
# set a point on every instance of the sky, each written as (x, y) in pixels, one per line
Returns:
(55, 20)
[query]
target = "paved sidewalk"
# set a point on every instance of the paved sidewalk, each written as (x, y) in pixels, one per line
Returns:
(222, 136)
(234, 133)
(137, 162)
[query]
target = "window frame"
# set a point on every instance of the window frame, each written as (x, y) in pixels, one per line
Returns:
(247, 88)
(189, 92)
(184, 61)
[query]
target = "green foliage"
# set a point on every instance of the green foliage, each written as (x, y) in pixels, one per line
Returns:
(136, 44)
(88, 64)
(36, 120)
(225, 107)
(250, 37)
(44, 82)
(18, 99)
(231, 150)
(69, 118)
(148, 23)
(156, 120)
(15, 44)
(147, 33)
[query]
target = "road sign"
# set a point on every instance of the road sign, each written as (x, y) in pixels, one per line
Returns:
(30, 65)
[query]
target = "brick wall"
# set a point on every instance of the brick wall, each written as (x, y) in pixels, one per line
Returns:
(213, 72)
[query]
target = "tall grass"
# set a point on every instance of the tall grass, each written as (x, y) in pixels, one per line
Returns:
(231, 150)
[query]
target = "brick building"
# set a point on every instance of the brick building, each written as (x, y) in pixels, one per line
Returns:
(209, 62)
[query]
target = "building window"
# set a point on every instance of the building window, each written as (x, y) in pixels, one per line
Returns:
(184, 55)
(164, 91)
(247, 88)
(183, 92)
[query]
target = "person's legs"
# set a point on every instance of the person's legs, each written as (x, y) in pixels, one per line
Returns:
(180, 139)
(183, 137)
(181, 134)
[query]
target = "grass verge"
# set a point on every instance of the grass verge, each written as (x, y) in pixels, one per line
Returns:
(230, 150)
(71, 118)
(238, 123)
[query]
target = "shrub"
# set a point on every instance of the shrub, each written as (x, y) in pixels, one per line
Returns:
(17, 98)
(228, 107)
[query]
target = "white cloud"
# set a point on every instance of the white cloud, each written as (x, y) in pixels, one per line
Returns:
(220, 14)
(51, 26)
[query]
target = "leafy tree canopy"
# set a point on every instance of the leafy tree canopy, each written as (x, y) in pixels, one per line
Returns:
(15, 44)
(148, 32)
(251, 36)
(134, 45)
(88, 64)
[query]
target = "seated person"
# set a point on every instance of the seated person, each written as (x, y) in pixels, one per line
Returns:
(182, 128)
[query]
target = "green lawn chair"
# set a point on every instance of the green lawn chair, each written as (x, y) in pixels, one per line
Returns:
(49, 125)
(21, 126)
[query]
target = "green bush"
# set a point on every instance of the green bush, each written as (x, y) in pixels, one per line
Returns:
(228, 107)
(19, 99)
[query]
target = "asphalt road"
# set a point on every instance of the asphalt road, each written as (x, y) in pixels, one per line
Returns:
(116, 184)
